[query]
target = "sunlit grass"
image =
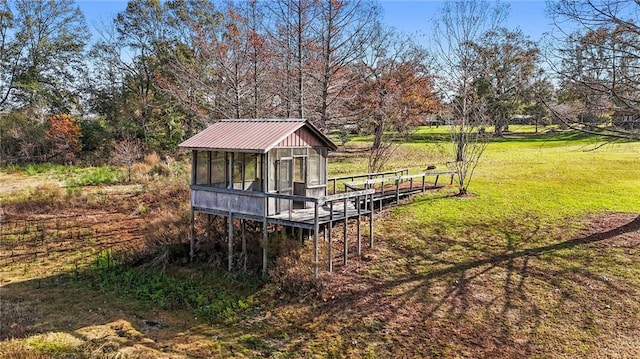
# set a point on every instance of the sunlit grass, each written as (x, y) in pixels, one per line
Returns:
(554, 176)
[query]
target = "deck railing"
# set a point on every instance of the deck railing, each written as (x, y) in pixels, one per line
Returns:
(336, 183)
(394, 186)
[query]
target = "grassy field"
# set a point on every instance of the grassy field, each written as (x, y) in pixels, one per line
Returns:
(542, 262)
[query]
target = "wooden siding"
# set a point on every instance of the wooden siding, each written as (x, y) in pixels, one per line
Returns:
(302, 137)
(249, 203)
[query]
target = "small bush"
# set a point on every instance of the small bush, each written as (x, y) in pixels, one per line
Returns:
(152, 159)
(47, 192)
(140, 171)
(55, 344)
(160, 169)
(292, 274)
(94, 176)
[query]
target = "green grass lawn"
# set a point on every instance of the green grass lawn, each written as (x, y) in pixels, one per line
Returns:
(547, 175)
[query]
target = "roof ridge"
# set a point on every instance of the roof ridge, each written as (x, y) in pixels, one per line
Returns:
(263, 120)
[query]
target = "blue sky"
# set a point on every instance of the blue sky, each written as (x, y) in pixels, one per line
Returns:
(416, 16)
(408, 16)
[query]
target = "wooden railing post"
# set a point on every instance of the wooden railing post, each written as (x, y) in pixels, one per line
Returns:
(316, 229)
(358, 239)
(330, 236)
(346, 244)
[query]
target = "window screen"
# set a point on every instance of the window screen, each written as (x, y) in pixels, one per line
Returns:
(218, 169)
(202, 167)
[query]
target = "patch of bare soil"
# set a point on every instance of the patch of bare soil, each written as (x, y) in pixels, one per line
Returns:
(614, 229)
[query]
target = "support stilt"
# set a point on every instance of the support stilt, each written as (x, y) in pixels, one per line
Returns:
(244, 244)
(264, 248)
(192, 240)
(316, 229)
(358, 236)
(230, 259)
(344, 232)
(373, 209)
(330, 236)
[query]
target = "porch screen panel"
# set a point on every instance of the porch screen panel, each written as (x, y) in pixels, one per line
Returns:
(238, 169)
(315, 167)
(299, 169)
(251, 174)
(218, 169)
(202, 168)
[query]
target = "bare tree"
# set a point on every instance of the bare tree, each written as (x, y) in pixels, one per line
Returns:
(597, 65)
(290, 31)
(126, 153)
(342, 32)
(462, 23)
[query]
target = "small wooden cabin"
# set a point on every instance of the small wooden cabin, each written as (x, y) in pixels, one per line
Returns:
(236, 161)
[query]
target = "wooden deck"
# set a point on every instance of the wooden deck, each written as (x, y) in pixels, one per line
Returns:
(362, 195)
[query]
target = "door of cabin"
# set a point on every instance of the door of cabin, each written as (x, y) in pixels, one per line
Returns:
(285, 182)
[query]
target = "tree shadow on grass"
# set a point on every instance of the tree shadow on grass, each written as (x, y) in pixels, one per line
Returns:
(524, 291)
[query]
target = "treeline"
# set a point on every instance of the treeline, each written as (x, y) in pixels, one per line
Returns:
(160, 71)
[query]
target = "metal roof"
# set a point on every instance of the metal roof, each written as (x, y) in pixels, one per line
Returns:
(249, 135)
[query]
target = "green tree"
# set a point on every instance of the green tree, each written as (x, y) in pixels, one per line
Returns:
(45, 48)
(505, 66)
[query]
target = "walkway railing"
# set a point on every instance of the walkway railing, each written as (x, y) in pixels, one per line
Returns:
(328, 210)
(397, 186)
(335, 183)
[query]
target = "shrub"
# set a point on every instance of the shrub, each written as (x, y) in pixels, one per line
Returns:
(152, 159)
(64, 137)
(21, 139)
(94, 176)
(48, 192)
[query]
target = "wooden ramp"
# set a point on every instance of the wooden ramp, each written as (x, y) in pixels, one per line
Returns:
(361, 196)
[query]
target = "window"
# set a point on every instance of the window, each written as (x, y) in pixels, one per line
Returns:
(238, 169)
(316, 162)
(218, 169)
(299, 169)
(251, 172)
(202, 168)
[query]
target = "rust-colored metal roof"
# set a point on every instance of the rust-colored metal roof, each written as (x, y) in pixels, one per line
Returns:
(255, 135)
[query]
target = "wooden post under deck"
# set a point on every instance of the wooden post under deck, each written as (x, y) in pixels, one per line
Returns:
(358, 238)
(316, 229)
(330, 236)
(346, 243)
(192, 236)
(373, 208)
(230, 259)
(244, 244)
(264, 247)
